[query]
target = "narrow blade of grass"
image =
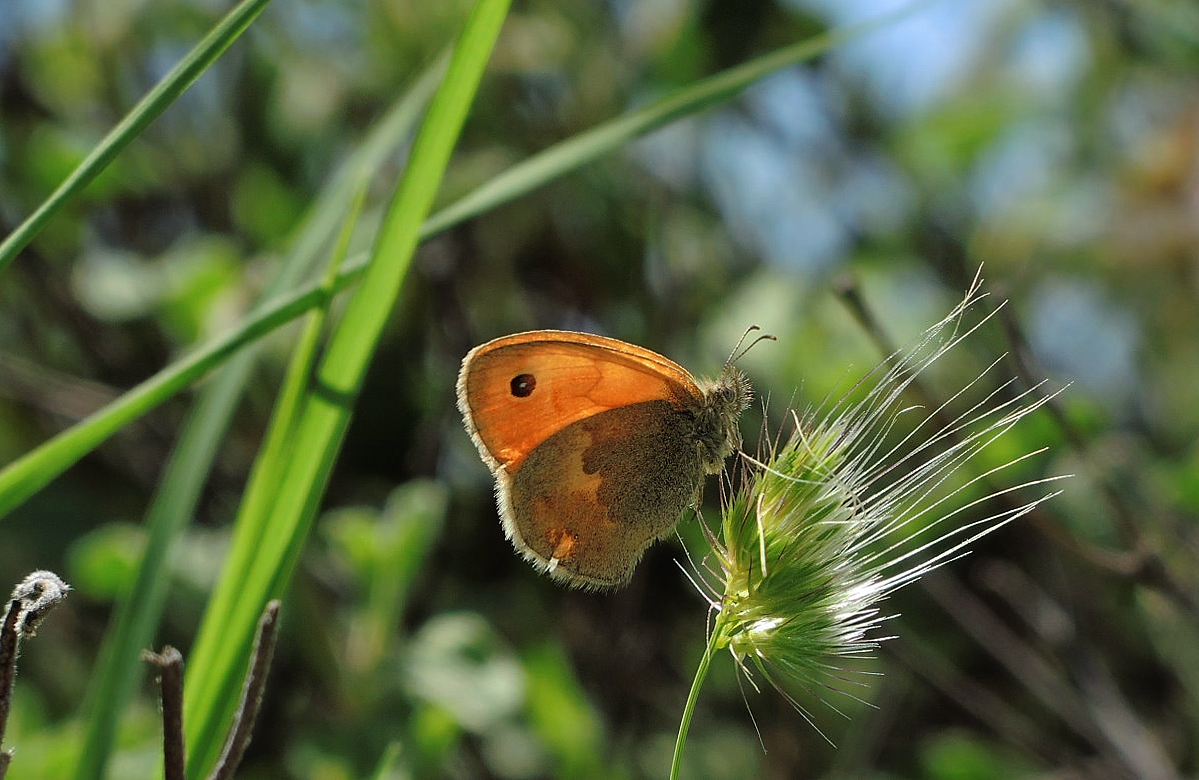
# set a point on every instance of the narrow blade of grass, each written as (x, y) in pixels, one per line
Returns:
(34, 470)
(606, 137)
(305, 458)
(138, 614)
(146, 111)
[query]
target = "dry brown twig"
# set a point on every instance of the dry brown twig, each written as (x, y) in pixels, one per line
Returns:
(170, 664)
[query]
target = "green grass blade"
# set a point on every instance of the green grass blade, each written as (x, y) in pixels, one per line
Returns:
(218, 659)
(137, 615)
(146, 111)
(32, 471)
(118, 666)
(606, 137)
(557, 160)
(252, 524)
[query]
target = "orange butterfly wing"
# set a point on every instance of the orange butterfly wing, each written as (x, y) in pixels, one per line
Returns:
(574, 376)
(592, 444)
(588, 500)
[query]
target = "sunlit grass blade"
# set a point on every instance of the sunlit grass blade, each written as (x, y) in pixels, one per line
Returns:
(34, 470)
(267, 474)
(174, 502)
(253, 523)
(606, 137)
(306, 456)
(146, 111)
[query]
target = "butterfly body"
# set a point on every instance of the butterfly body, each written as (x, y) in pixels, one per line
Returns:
(596, 445)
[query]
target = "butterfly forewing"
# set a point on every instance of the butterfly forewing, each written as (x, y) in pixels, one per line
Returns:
(515, 394)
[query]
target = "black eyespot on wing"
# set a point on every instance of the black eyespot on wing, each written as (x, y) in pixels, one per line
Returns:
(522, 385)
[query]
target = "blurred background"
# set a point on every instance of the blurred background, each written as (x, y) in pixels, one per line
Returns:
(1056, 143)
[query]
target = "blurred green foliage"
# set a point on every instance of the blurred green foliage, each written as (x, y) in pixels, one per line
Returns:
(1058, 143)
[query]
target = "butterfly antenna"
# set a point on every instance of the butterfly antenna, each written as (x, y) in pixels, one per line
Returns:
(739, 352)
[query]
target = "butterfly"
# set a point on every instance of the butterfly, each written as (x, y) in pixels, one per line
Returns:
(596, 445)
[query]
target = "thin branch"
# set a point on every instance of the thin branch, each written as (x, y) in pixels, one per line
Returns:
(8, 671)
(170, 677)
(251, 694)
(1025, 662)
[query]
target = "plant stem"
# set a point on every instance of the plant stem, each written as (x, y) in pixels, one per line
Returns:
(701, 673)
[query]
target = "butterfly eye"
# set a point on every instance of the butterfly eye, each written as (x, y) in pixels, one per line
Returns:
(522, 385)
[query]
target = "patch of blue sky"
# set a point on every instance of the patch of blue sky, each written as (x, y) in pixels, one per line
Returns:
(1141, 105)
(785, 179)
(873, 195)
(644, 23)
(774, 202)
(1082, 335)
(339, 28)
(1023, 164)
(911, 64)
(33, 17)
(799, 108)
(1049, 56)
(204, 106)
(671, 153)
(781, 176)
(21, 19)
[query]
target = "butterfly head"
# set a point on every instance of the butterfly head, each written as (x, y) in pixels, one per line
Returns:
(725, 398)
